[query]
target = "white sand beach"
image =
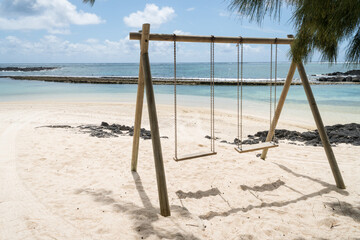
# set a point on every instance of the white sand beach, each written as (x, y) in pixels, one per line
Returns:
(63, 184)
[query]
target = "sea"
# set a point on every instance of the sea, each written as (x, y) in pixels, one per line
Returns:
(340, 103)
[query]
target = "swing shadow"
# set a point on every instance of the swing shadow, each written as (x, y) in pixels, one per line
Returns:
(273, 186)
(143, 217)
(198, 194)
(265, 187)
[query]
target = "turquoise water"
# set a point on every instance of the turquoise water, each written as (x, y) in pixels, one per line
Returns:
(341, 103)
(18, 90)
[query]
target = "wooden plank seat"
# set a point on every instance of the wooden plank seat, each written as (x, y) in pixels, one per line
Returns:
(193, 155)
(256, 147)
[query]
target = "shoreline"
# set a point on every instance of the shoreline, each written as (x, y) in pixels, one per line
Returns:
(157, 81)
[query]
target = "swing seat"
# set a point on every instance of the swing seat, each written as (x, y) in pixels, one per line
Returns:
(256, 147)
(194, 155)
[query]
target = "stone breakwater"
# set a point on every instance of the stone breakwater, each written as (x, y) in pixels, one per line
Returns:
(352, 76)
(339, 133)
(105, 130)
(156, 81)
(26, 69)
(134, 80)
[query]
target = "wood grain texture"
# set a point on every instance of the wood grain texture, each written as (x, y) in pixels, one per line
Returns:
(208, 39)
(320, 126)
(144, 45)
(155, 138)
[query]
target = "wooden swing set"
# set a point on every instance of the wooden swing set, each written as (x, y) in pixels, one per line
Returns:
(145, 83)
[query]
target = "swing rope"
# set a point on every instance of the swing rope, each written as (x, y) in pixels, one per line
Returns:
(240, 62)
(212, 118)
(270, 95)
(240, 91)
(276, 56)
(175, 100)
(212, 104)
(275, 83)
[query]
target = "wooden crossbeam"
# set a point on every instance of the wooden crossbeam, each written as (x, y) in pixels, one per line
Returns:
(208, 39)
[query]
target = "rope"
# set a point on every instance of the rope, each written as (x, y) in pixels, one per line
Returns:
(213, 97)
(270, 100)
(276, 56)
(241, 88)
(175, 102)
(212, 120)
(240, 95)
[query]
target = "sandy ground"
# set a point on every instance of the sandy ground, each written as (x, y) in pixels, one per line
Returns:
(62, 184)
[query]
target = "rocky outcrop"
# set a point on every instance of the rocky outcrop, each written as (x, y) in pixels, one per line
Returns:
(26, 69)
(349, 76)
(339, 133)
(105, 130)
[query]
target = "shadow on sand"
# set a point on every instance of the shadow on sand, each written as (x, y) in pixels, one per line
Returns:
(273, 186)
(142, 217)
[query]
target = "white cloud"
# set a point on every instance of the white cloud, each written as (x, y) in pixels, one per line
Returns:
(54, 16)
(180, 32)
(152, 14)
(224, 14)
(190, 9)
(53, 48)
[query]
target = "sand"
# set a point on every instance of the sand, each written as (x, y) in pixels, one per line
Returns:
(63, 184)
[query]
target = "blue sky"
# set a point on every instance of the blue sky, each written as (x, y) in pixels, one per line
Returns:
(63, 31)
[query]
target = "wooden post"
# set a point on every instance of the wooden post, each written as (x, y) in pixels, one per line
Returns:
(280, 105)
(144, 45)
(320, 126)
(155, 137)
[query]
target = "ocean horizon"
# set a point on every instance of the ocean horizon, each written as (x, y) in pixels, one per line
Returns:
(255, 71)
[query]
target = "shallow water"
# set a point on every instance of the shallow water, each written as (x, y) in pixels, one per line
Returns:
(339, 103)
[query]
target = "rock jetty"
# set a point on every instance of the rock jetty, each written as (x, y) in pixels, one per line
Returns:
(26, 69)
(106, 130)
(336, 77)
(339, 133)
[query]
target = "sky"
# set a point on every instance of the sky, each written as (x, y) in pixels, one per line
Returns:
(69, 31)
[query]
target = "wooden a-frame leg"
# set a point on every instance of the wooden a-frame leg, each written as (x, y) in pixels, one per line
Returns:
(155, 138)
(144, 45)
(280, 105)
(320, 126)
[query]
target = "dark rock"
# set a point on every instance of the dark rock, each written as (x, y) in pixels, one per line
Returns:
(349, 76)
(352, 72)
(106, 130)
(104, 124)
(338, 133)
(308, 135)
(26, 69)
(57, 126)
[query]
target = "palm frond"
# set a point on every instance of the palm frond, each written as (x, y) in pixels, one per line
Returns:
(89, 1)
(320, 25)
(353, 51)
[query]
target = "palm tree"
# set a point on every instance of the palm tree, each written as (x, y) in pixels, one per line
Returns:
(320, 24)
(89, 1)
